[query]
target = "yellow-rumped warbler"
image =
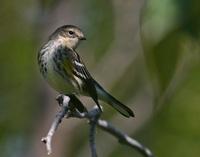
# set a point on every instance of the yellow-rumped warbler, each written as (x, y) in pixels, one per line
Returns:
(65, 71)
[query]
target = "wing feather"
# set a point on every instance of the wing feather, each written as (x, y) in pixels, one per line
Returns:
(73, 66)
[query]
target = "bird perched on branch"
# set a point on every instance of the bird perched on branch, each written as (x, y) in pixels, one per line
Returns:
(65, 71)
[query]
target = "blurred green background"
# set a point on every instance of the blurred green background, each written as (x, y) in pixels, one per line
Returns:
(146, 53)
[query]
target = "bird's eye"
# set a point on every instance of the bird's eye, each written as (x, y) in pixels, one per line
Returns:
(71, 32)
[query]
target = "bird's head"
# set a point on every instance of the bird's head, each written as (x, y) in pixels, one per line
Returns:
(69, 35)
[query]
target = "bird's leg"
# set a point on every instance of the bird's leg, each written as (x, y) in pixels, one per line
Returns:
(77, 104)
(100, 108)
(60, 99)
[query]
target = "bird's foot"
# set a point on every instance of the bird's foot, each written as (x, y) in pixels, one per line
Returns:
(59, 99)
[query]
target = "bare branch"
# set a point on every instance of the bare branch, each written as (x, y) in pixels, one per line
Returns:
(68, 110)
(92, 136)
(64, 108)
(124, 138)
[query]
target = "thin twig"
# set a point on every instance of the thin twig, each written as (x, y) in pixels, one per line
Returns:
(64, 108)
(92, 137)
(93, 117)
(124, 138)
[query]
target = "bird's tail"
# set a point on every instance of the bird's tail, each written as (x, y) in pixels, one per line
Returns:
(106, 97)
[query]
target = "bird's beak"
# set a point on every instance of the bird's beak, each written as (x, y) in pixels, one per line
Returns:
(82, 38)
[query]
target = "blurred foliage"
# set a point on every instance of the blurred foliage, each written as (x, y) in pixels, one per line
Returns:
(103, 22)
(170, 32)
(17, 77)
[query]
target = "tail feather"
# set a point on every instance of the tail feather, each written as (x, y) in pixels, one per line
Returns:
(105, 96)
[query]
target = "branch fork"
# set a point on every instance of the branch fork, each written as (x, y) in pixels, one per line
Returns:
(69, 111)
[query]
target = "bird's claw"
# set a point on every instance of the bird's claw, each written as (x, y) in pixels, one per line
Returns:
(59, 99)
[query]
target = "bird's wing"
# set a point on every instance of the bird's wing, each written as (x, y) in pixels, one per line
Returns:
(69, 64)
(73, 64)
(79, 69)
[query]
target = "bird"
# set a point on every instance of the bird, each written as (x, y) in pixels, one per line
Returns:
(63, 68)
